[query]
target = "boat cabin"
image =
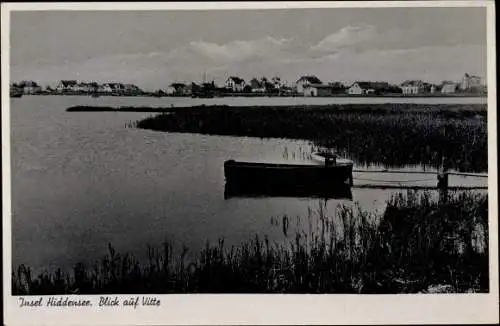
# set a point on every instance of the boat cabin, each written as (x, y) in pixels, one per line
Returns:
(330, 159)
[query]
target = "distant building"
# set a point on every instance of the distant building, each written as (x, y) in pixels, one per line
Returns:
(305, 81)
(178, 89)
(132, 89)
(105, 88)
(470, 82)
(276, 81)
(337, 87)
(29, 87)
(236, 84)
(318, 90)
(83, 87)
(361, 88)
(65, 86)
(449, 87)
(92, 87)
(114, 88)
(257, 86)
(413, 87)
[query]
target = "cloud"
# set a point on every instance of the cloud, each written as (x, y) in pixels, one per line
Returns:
(236, 51)
(353, 52)
(346, 37)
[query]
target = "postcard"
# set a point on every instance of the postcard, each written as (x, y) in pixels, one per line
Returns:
(249, 163)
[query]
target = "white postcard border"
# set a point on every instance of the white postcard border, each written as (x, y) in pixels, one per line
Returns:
(275, 308)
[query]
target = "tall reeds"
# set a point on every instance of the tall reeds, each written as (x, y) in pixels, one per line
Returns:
(415, 245)
(390, 134)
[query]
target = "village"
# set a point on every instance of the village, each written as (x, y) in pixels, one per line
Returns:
(309, 86)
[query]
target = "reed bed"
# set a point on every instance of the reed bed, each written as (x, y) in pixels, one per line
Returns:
(389, 134)
(417, 244)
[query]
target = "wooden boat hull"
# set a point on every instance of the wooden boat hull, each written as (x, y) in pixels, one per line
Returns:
(276, 178)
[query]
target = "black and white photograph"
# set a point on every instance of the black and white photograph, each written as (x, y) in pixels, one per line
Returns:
(298, 151)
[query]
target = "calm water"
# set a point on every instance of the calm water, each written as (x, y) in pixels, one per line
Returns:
(81, 180)
(248, 101)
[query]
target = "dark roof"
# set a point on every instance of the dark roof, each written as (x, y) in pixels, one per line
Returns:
(320, 86)
(471, 76)
(256, 83)
(178, 85)
(364, 84)
(311, 79)
(67, 83)
(412, 83)
(237, 80)
(373, 85)
(27, 83)
(337, 85)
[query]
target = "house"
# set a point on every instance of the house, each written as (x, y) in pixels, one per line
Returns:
(470, 82)
(170, 90)
(105, 88)
(449, 87)
(361, 88)
(306, 81)
(177, 89)
(119, 87)
(30, 87)
(257, 86)
(65, 86)
(132, 89)
(286, 90)
(114, 88)
(318, 90)
(276, 82)
(188, 90)
(93, 87)
(83, 87)
(236, 84)
(337, 88)
(413, 87)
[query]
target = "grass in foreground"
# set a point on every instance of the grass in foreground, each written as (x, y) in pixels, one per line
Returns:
(416, 245)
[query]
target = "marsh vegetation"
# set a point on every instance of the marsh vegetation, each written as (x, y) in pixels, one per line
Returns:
(416, 245)
(389, 134)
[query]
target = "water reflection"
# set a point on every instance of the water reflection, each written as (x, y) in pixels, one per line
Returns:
(232, 190)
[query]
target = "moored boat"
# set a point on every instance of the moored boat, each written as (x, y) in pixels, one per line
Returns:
(296, 176)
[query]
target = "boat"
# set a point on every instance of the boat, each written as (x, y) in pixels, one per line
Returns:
(298, 177)
(320, 158)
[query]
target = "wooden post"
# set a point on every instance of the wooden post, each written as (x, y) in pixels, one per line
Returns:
(443, 182)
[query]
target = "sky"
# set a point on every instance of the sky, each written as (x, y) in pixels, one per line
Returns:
(155, 48)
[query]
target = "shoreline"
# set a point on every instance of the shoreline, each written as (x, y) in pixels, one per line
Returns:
(388, 107)
(231, 95)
